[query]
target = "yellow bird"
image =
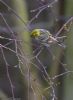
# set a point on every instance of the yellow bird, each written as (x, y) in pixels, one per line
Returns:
(44, 37)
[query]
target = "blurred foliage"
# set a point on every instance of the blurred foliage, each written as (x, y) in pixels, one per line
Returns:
(68, 83)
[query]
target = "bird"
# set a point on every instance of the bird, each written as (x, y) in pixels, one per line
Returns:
(44, 37)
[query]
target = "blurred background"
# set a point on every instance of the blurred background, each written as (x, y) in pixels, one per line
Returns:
(24, 65)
